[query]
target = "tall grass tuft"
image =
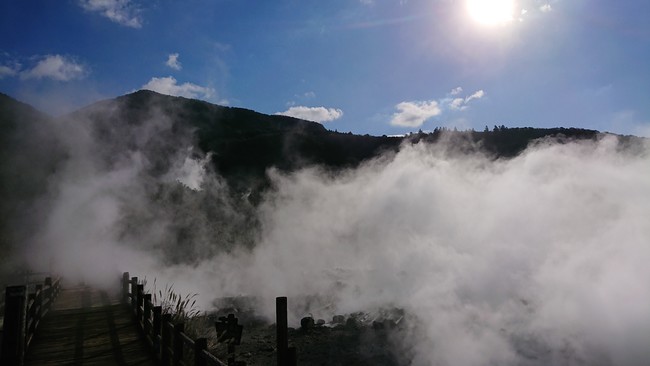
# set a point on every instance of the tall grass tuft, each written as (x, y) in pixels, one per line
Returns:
(181, 307)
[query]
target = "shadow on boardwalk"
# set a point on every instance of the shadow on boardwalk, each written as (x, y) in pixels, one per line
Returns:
(87, 327)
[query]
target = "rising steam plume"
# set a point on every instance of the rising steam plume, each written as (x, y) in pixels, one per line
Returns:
(540, 259)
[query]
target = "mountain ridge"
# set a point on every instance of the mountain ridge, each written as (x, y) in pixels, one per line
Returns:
(244, 142)
(162, 132)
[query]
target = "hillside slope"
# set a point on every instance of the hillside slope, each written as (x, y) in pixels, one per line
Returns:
(244, 143)
(29, 154)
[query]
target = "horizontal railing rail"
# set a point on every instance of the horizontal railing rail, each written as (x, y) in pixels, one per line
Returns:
(23, 312)
(173, 346)
(169, 342)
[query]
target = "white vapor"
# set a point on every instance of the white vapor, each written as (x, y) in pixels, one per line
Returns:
(56, 67)
(316, 114)
(192, 173)
(168, 85)
(538, 260)
(172, 61)
(131, 197)
(541, 259)
(123, 12)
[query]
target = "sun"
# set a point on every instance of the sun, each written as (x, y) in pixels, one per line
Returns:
(491, 12)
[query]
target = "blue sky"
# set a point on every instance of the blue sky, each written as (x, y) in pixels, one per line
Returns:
(366, 66)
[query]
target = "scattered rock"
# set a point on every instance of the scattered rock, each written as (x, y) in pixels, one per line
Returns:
(352, 323)
(306, 323)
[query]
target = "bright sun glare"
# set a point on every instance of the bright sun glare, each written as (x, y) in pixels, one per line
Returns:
(491, 12)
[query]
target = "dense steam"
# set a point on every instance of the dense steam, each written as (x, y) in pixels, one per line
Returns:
(537, 260)
(541, 259)
(134, 197)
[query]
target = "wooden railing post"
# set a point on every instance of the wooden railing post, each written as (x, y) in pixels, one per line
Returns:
(166, 341)
(282, 336)
(134, 291)
(178, 343)
(157, 320)
(200, 345)
(125, 288)
(147, 315)
(140, 302)
(292, 358)
(13, 337)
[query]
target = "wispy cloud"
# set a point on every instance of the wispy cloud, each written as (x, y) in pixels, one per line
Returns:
(546, 8)
(460, 103)
(172, 61)
(6, 71)
(169, 85)
(413, 114)
(123, 12)
(477, 95)
(317, 114)
(56, 67)
(456, 91)
(301, 98)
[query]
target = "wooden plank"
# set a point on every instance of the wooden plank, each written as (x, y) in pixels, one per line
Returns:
(87, 327)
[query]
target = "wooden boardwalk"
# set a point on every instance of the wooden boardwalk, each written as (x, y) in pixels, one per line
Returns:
(88, 327)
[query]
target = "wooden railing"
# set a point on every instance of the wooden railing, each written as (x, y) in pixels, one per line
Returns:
(168, 341)
(23, 312)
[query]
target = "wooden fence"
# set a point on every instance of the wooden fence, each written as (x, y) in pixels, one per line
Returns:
(171, 345)
(23, 311)
(169, 341)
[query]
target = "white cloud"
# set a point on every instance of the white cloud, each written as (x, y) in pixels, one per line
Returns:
(7, 71)
(168, 85)
(172, 61)
(56, 67)
(317, 114)
(457, 103)
(413, 114)
(461, 103)
(123, 12)
(477, 95)
(545, 8)
(456, 91)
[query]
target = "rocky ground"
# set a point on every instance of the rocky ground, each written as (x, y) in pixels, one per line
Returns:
(354, 339)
